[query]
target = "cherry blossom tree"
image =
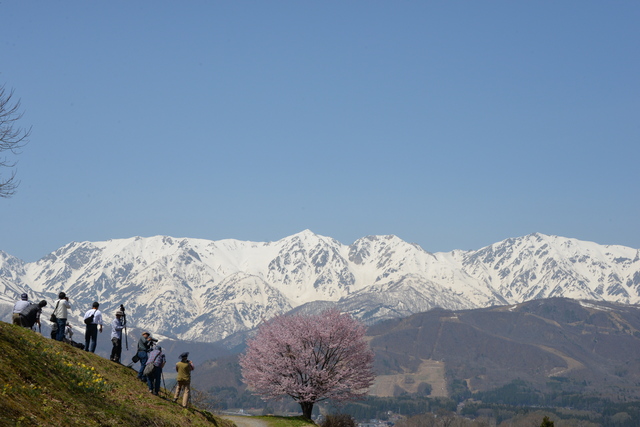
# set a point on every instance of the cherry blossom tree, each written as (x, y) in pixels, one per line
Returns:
(310, 358)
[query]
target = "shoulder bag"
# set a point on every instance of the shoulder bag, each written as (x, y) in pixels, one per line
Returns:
(89, 320)
(53, 317)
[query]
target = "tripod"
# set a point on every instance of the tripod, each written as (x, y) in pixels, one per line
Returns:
(168, 393)
(124, 323)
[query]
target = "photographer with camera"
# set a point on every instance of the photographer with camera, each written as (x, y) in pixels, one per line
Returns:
(184, 368)
(60, 314)
(145, 345)
(157, 360)
(117, 325)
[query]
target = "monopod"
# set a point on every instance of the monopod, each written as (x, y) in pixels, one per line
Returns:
(124, 323)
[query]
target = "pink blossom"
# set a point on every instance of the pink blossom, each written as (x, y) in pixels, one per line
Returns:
(310, 358)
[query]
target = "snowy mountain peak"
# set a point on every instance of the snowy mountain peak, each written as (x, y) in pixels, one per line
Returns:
(205, 290)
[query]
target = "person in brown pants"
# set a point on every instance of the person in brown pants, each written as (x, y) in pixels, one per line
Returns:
(18, 307)
(184, 368)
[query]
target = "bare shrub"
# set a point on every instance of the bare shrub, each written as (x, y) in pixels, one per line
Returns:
(338, 420)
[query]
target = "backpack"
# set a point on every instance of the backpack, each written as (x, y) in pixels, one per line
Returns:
(89, 320)
(29, 315)
(152, 364)
(148, 369)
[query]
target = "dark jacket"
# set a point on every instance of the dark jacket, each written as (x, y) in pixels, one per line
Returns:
(144, 344)
(30, 315)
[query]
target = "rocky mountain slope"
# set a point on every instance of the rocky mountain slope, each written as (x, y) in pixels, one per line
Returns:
(200, 290)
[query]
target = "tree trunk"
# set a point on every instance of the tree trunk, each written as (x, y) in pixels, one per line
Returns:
(307, 408)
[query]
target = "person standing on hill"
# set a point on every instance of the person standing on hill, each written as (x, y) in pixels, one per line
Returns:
(93, 323)
(184, 368)
(157, 358)
(116, 337)
(30, 315)
(145, 343)
(60, 311)
(20, 305)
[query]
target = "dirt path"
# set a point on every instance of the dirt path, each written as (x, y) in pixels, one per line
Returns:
(241, 421)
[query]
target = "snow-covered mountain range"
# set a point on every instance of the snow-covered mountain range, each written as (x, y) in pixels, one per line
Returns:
(202, 290)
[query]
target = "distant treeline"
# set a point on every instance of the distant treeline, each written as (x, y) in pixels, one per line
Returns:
(518, 397)
(501, 404)
(382, 407)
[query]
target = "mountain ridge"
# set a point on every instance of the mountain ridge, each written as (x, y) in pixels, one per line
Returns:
(202, 290)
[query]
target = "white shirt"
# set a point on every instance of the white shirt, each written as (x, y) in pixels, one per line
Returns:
(61, 311)
(97, 317)
(116, 328)
(20, 305)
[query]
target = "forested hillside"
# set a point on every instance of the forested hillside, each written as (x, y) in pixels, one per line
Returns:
(555, 353)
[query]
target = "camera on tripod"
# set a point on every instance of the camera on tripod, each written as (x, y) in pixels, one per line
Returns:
(124, 316)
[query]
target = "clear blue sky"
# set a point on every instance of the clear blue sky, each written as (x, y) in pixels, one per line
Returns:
(451, 124)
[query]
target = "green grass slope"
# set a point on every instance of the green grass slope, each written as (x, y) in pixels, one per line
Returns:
(48, 383)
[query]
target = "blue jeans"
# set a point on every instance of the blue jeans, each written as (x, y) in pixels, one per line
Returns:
(153, 380)
(143, 355)
(62, 323)
(91, 337)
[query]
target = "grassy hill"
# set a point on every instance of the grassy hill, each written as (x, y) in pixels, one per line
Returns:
(49, 383)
